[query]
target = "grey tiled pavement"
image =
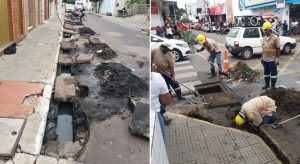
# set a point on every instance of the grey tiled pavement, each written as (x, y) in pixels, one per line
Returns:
(35, 57)
(191, 141)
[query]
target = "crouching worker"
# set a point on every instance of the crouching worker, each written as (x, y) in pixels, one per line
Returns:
(256, 111)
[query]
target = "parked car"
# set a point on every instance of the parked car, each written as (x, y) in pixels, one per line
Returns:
(180, 48)
(79, 6)
(246, 41)
(69, 8)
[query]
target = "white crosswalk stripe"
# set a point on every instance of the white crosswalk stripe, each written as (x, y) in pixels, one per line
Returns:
(186, 74)
(188, 67)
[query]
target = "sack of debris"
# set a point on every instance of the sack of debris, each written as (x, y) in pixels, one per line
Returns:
(12, 49)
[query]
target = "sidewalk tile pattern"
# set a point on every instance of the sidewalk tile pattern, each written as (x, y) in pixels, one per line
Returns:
(191, 141)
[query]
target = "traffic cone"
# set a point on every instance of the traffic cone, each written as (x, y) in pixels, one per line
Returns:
(226, 65)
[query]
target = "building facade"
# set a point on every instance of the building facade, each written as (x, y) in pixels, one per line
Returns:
(18, 17)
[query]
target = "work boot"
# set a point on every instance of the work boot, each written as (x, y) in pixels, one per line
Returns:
(179, 96)
(212, 74)
(167, 120)
(273, 87)
(265, 87)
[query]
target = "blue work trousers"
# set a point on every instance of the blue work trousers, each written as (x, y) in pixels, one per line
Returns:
(270, 72)
(212, 61)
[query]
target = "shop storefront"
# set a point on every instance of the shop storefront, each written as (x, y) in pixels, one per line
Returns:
(217, 14)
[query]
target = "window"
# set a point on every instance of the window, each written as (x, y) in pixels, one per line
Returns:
(233, 32)
(251, 33)
(154, 39)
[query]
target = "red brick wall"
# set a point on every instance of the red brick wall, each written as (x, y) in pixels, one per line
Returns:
(23, 17)
(14, 19)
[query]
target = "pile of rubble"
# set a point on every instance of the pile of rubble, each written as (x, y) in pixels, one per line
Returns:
(86, 30)
(287, 100)
(101, 50)
(118, 81)
(241, 72)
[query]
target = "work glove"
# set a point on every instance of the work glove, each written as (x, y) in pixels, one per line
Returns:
(173, 78)
(154, 67)
(199, 50)
(277, 61)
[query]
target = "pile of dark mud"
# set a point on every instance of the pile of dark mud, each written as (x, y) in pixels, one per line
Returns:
(101, 50)
(286, 100)
(241, 72)
(86, 30)
(116, 80)
(193, 112)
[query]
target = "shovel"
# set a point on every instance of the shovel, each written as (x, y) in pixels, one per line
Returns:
(275, 126)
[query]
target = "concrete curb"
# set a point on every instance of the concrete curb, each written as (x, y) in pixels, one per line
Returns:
(32, 137)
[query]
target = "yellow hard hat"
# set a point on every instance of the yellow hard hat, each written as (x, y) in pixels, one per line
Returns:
(267, 25)
(240, 119)
(201, 39)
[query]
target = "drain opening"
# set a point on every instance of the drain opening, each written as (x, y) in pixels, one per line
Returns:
(209, 88)
(65, 69)
(64, 129)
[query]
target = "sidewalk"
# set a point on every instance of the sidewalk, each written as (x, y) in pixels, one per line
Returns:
(26, 83)
(127, 22)
(192, 141)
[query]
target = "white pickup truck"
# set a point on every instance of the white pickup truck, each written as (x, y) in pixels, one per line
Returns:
(246, 41)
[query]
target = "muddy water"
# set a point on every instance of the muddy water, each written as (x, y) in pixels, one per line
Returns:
(64, 129)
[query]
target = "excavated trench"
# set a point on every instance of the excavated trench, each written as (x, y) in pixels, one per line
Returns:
(102, 89)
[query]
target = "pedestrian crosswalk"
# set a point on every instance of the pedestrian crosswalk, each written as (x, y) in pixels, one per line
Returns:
(186, 74)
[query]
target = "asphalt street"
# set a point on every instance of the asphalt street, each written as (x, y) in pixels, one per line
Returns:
(192, 70)
(110, 141)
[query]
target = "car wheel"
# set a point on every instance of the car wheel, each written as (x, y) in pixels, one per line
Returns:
(177, 55)
(287, 48)
(246, 53)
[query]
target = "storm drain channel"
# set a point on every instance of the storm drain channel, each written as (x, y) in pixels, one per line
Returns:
(65, 69)
(64, 128)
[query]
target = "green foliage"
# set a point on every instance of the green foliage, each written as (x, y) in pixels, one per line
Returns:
(131, 2)
(94, 0)
(69, 1)
(181, 11)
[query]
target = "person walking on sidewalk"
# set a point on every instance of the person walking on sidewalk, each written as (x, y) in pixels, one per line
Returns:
(270, 55)
(256, 111)
(162, 59)
(214, 53)
(285, 28)
(169, 31)
(159, 95)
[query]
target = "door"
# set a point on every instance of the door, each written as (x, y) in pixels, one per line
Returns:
(252, 38)
(19, 18)
(5, 36)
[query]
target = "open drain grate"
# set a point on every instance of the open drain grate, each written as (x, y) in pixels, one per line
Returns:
(216, 95)
(65, 69)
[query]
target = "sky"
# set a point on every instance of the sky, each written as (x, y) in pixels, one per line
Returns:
(180, 3)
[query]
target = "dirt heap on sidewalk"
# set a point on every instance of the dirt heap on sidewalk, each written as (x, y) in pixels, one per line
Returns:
(86, 30)
(286, 100)
(101, 50)
(118, 81)
(241, 72)
(194, 113)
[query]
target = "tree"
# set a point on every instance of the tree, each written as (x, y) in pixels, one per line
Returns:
(181, 11)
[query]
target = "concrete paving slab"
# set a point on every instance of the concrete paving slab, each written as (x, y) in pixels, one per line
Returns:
(15, 111)
(21, 158)
(85, 58)
(46, 160)
(139, 124)
(63, 60)
(13, 92)
(8, 162)
(11, 130)
(284, 140)
(65, 89)
(33, 133)
(195, 141)
(64, 161)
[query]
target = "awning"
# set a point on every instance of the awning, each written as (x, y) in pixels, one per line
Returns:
(267, 15)
(216, 10)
